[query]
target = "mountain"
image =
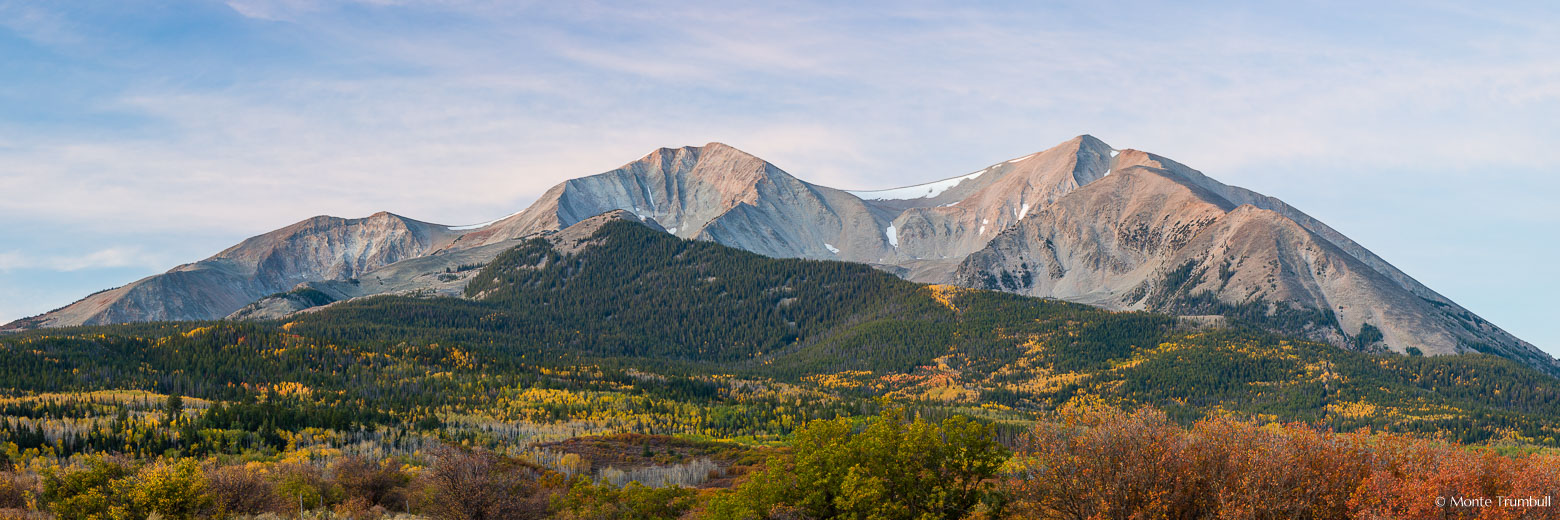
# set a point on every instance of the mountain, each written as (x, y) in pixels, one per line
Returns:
(639, 316)
(719, 193)
(611, 351)
(320, 248)
(1157, 235)
(714, 192)
(1081, 221)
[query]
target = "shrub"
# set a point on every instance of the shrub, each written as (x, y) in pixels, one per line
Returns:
(1103, 463)
(589, 501)
(172, 490)
(85, 490)
(241, 490)
(891, 470)
(1411, 473)
(306, 486)
(480, 485)
(376, 483)
(108, 488)
(1108, 464)
(15, 489)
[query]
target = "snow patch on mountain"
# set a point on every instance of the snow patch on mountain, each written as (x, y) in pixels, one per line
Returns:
(482, 225)
(919, 191)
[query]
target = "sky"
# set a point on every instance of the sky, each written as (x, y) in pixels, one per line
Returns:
(136, 136)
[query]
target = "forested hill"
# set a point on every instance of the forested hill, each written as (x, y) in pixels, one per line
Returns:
(629, 303)
(633, 292)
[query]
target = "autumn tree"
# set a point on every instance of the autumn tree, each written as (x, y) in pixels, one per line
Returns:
(171, 490)
(85, 490)
(108, 488)
(586, 500)
(893, 469)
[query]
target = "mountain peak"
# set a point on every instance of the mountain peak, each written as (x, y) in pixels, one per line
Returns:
(682, 189)
(1089, 141)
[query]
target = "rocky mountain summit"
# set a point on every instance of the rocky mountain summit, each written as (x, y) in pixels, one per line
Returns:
(1081, 221)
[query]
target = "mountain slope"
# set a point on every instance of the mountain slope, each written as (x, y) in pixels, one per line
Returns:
(1153, 236)
(320, 248)
(938, 224)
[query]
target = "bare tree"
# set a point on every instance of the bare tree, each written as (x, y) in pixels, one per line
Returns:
(480, 485)
(238, 490)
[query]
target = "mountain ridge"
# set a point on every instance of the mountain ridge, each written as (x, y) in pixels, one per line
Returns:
(980, 229)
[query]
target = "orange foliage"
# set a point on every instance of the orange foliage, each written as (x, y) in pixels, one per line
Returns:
(1103, 463)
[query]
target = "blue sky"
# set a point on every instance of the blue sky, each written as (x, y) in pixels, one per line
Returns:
(135, 136)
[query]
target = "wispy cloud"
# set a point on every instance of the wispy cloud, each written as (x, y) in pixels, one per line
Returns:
(107, 258)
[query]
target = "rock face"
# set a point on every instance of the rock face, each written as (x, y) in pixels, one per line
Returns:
(1080, 221)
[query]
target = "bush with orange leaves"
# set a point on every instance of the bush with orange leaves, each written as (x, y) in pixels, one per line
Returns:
(1105, 463)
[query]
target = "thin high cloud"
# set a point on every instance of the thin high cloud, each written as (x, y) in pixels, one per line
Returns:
(917, 94)
(113, 257)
